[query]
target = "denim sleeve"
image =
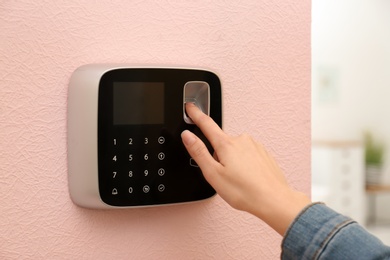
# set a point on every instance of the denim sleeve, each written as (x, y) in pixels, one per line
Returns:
(321, 233)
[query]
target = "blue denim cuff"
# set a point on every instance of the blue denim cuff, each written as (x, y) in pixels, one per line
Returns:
(310, 232)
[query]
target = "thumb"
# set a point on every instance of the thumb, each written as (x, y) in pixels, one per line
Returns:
(198, 151)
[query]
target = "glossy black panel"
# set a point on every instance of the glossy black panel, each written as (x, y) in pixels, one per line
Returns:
(142, 160)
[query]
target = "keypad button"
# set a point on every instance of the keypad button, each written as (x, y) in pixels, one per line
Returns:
(161, 140)
(161, 187)
(130, 190)
(161, 171)
(114, 191)
(161, 156)
(146, 189)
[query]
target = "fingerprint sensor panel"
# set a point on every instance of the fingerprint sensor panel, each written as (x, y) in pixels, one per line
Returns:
(124, 127)
(197, 92)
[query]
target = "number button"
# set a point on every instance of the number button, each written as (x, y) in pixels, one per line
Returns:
(130, 141)
(130, 174)
(113, 175)
(130, 157)
(114, 158)
(114, 141)
(146, 173)
(146, 157)
(131, 190)
(146, 140)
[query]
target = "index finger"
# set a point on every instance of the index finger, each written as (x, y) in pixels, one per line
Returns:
(206, 124)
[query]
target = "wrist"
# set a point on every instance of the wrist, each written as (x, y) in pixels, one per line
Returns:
(280, 211)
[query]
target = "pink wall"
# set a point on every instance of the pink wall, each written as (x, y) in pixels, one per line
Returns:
(259, 48)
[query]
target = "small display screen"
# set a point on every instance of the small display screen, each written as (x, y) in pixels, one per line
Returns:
(138, 103)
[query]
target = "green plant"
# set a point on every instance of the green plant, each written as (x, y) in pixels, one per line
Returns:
(373, 150)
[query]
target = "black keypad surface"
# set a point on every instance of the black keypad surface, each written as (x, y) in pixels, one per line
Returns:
(147, 164)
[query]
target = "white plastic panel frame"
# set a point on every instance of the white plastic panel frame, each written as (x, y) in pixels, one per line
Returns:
(82, 133)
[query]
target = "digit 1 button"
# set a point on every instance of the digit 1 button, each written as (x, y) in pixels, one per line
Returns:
(161, 156)
(161, 140)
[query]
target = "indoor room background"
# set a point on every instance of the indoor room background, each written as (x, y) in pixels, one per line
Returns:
(350, 98)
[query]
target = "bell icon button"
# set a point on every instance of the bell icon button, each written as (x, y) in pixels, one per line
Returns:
(114, 191)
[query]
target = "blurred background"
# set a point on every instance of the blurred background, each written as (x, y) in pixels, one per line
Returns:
(351, 110)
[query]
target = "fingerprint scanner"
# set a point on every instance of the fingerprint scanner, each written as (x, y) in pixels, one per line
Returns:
(197, 92)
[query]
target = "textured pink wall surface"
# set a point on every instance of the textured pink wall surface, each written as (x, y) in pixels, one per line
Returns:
(259, 48)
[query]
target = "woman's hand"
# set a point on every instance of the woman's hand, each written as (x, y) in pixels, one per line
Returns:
(243, 173)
